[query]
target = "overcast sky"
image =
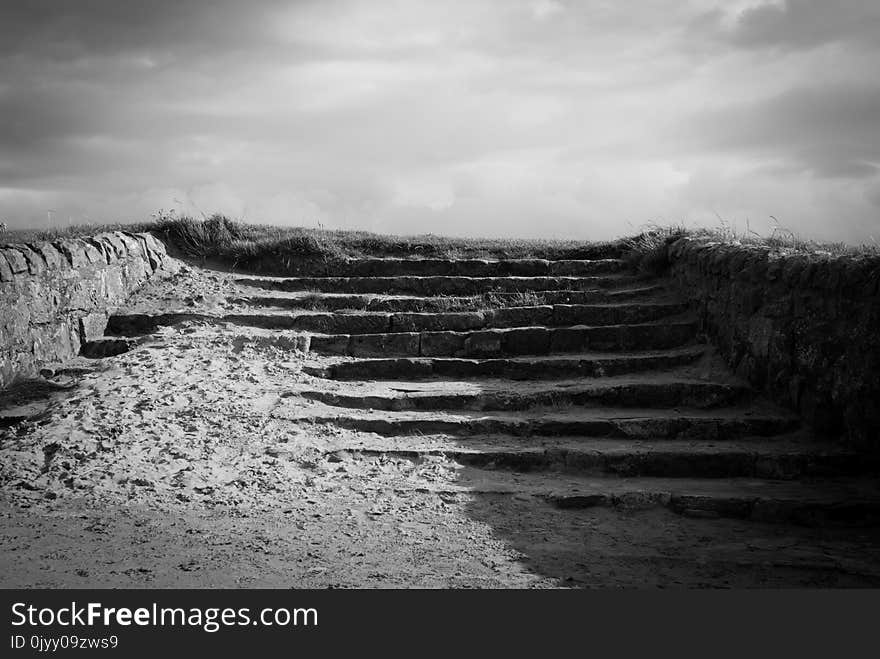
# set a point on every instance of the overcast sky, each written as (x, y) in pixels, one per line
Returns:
(557, 118)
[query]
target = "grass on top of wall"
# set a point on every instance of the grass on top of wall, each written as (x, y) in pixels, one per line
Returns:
(239, 244)
(13, 236)
(648, 252)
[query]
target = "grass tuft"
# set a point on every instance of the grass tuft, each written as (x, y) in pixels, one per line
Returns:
(19, 236)
(648, 253)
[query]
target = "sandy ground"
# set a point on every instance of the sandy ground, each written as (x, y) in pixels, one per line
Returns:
(167, 467)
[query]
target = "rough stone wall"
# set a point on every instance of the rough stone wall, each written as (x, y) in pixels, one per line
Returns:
(803, 328)
(56, 295)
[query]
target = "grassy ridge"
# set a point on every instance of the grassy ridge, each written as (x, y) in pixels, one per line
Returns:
(267, 248)
(221, 238)
(246, 245)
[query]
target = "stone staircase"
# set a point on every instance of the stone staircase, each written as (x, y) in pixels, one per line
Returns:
(572, 381)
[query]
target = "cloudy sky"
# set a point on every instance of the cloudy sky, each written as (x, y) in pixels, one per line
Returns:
(559, 118)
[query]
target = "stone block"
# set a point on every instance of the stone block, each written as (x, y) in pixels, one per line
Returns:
(35, 263)
(51, 256)
(94, 255)
(442, 322)
(568, 339)
(487, 343)
(92, 326)
(153, 248)
(381, 345)
(365, 323)
(103, 249)
(154, 244)
(6, 274)
(523, 316)
(115, 239)
(439, 344)
(114, 285)
(133, 246)
(73, 251)
(330, 344)
(530, 341)
(16, 260)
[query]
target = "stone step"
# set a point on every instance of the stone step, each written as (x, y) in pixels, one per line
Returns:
(509, 342)
(137, 324)
(827, 502)
(781, 459)
(383, 323)
(106, 347)
(438, 285)
(426, 267)
(514, 368)
(714, 425)
(498, 395)
(441, 303)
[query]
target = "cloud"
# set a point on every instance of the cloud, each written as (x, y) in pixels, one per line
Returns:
(792, 25)
(829, 130)
(70, 30)
(514, 117)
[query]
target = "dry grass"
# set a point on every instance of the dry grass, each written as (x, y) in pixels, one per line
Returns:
(246, 245)
(648, 252)
(267, 248)
(12, 236)
(236, 242)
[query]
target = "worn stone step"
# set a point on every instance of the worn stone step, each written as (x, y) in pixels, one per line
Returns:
(137, 324)
(382, 323)
(783, 459)
(827, 502)
(505, 342)
(106, 347)
(514, 368)
(438, 285)
(423, 267)
(441, 303)
(681, 423)
(498, 395)
(548, 316)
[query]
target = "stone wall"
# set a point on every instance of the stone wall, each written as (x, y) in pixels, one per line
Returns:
(805, 328)
(56, 295)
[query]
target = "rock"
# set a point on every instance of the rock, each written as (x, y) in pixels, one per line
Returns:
(441, 343)
(6, 273)
(303, 343)
(16, 260)
(379, 345)
(92, 326)
(339, 456)
(486, 343)
(36, 264)
(52, 257)
(533, 341)
(280, 451)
